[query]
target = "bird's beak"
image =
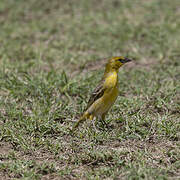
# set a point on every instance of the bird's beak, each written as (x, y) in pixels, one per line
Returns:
(125, 60)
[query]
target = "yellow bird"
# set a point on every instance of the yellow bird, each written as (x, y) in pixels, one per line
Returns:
(105, 94)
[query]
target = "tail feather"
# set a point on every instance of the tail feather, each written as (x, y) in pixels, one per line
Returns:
(81, 119)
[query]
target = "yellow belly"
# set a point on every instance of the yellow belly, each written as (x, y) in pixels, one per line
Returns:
(108, 100)
(103, 104)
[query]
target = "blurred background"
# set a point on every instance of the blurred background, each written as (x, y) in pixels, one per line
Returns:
(52, 55)
(78, 31)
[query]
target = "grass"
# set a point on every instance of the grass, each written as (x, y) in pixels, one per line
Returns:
(51, 57)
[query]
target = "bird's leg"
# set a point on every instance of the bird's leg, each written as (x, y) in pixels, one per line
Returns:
(103, 119)
(91, 117)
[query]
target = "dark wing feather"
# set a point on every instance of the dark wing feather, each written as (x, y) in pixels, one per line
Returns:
(96, 94)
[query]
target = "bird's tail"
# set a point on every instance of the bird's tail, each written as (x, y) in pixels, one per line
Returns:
(81, 119)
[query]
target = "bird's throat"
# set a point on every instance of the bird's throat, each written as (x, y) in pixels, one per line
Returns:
(111, 79)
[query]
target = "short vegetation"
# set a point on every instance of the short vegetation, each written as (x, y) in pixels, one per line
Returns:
(51, 58)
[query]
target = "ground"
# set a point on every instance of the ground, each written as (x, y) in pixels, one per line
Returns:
(52, 55)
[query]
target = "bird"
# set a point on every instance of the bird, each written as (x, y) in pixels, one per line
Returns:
(105, 94)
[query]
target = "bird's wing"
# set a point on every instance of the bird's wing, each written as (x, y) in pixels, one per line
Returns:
(96, 94)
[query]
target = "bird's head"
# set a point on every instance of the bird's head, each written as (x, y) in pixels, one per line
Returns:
(116, 62)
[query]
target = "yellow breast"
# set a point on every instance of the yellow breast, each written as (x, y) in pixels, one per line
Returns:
(110, 94)
(111, 81)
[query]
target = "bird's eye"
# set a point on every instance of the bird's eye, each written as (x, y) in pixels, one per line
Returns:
(125, 60)
(121, 60)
